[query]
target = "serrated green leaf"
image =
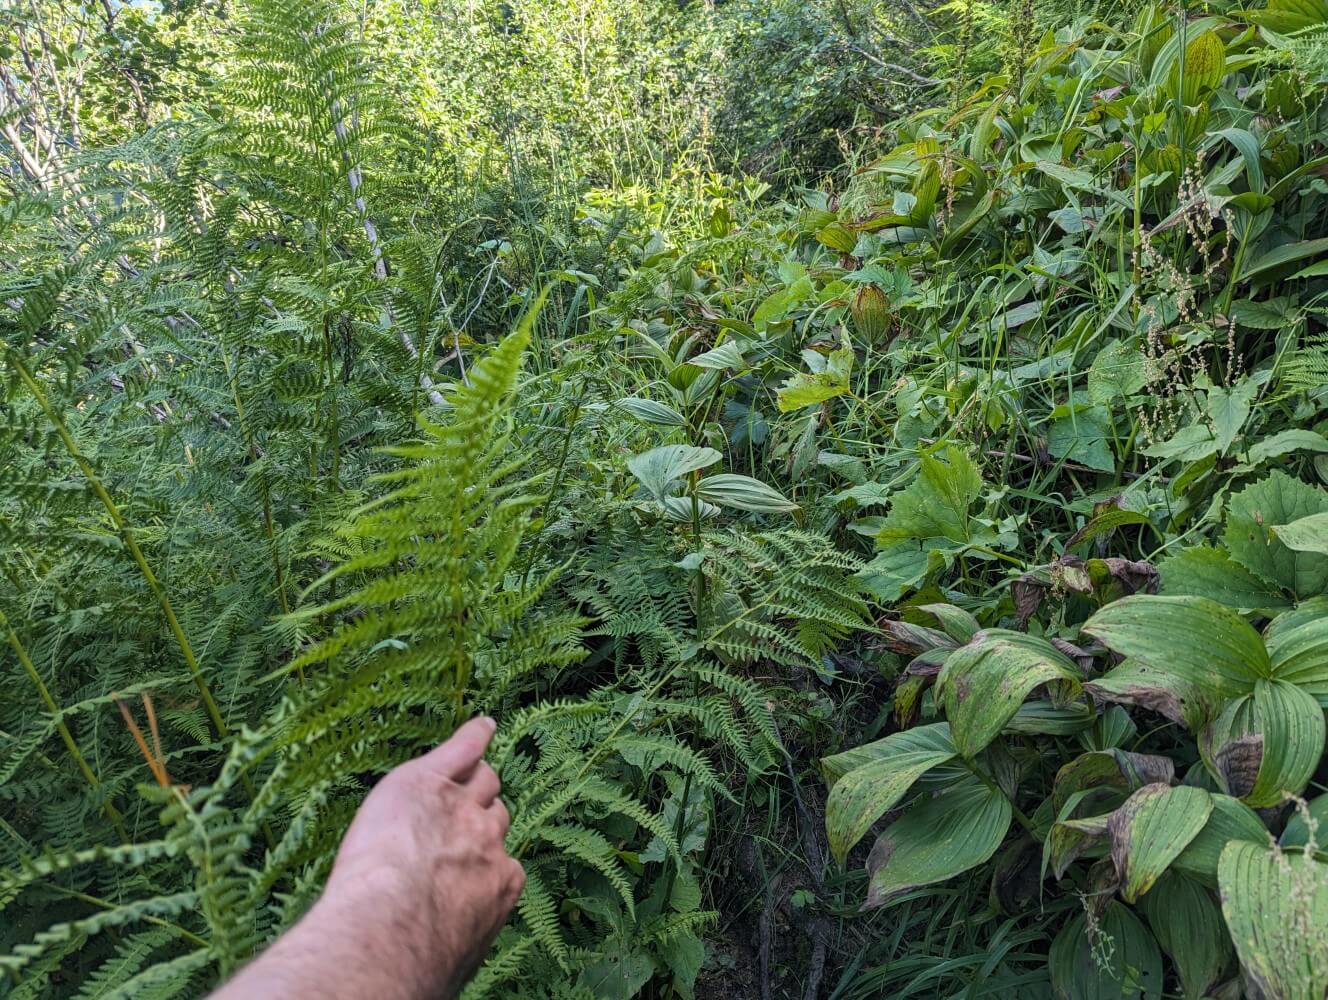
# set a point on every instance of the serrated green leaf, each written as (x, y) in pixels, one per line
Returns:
(1249, 535)
(1202, 571)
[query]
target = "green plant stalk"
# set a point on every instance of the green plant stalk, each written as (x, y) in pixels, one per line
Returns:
(701, 599)
(1015, 811)
(269, 524)
(108, 807)
(118, 519)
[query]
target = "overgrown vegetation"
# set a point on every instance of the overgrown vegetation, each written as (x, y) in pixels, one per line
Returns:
(870, 459)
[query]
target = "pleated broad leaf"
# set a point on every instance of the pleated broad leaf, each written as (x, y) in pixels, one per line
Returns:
(744, 493)
(1276, 907)
(862, 796)
(984, 683)
(1113, 958)
(919, 739)
(1298, 648)
(1151, 829)
(1110, 769)
(1266, 746)
(1230, 820)
(1187, 922)
(658, 468)
(1195, 640)
(937, 839)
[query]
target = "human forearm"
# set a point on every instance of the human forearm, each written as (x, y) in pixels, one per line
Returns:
(349, 946)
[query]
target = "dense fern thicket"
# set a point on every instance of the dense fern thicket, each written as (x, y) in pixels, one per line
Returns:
(870, 459)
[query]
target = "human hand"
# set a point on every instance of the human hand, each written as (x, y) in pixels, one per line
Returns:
(423, 864)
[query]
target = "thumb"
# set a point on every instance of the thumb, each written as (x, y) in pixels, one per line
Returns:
(457, 756)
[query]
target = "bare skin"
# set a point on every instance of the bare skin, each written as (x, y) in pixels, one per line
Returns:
(421, 885)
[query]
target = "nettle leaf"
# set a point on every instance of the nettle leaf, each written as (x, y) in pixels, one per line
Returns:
(1297, 644)
(865, 794)
(1266, 745)
(1084, 437)
(1230, 820)
(1113, 958)
(935, 506)
(937, 839)
(1117, 372)
(1150, 830)
(984, 683)
(827, 379)
(1250, 537)
(1203, 571)
(658, 468)
(1284, 443)
(744, 493)
(1309, 534)
(1187, 922)
(1276, 908)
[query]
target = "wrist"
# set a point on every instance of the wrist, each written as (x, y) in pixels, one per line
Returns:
(384, 922)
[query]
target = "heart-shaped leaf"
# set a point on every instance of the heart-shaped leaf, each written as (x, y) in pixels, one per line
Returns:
(658, 468)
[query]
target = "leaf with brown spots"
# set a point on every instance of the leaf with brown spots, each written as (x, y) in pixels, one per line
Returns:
(1276, 907)
(1150, 830)
(983, 684)
(937, 839)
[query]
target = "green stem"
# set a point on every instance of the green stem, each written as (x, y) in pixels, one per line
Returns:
(113, 814)
(127, 534)
(1015, 811)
